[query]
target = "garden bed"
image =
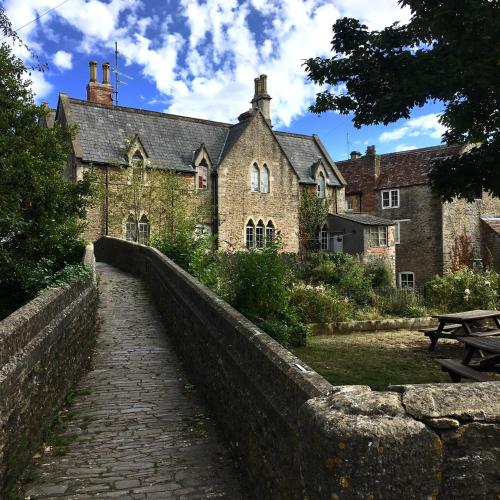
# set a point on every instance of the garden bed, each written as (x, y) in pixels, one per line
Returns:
(378, 359)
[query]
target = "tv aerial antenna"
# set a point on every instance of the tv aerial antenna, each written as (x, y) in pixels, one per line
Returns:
(118, 75)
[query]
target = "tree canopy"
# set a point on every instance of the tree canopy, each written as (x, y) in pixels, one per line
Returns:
(40, 210)
(448, 52)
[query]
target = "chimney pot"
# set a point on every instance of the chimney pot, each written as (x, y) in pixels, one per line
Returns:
(93, 71)
(105, 73)
(355, 155)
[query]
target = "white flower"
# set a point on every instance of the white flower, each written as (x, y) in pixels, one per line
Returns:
(467, 291)
(487, 283)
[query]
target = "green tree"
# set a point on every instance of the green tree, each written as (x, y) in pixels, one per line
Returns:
(313, 212)
(447, 52)
(40, 211)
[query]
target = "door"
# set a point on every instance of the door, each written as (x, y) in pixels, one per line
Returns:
(338, 243)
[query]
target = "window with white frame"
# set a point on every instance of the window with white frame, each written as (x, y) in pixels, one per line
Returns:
(397, 232)
(390, 198)
(250, 234)
(143, 230)
(255, 178)
(407, 280)
(377, 236)
(202, 230)
(264, 179)
(323, 238)
(260, 231)
(349, 205)
(130, 228)
(321, 186)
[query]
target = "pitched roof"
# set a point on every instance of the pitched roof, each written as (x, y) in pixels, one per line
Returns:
(401, 169)
(365, 219)
(493, 223)
(170, 140)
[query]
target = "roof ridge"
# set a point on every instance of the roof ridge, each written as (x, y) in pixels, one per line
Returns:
(293, 134)
(149, 112)
(405, 152)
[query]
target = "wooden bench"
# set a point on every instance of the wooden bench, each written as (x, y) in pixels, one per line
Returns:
(449, 331)
(458, 371)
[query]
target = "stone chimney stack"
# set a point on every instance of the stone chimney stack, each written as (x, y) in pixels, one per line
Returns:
(355, 155)
(261, 99)
(372, 153)
(101, 93)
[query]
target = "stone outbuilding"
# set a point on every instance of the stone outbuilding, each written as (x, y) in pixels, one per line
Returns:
(395, 186)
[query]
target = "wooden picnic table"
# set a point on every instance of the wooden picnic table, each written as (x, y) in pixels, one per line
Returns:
(458, 325)
(488, 349)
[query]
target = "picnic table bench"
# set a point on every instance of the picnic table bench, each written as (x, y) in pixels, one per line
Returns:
(488, 349)
(458, 325)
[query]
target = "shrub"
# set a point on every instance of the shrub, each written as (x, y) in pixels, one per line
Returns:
(405, 302)
(287, 330)
(317, 304)
(463, 290)
(380, 276)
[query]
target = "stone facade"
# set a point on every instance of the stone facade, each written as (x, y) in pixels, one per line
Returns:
(427, 227)
(213, 160)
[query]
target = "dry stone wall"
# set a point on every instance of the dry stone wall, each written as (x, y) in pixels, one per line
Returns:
(44, 347)
(300, 437)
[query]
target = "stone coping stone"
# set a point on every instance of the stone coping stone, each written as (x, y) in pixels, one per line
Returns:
(372, 325)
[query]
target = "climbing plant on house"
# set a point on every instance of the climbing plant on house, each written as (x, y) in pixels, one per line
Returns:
(313, 212)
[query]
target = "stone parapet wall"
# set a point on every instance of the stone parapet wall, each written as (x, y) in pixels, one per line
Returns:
(298, 436)
(44, 347)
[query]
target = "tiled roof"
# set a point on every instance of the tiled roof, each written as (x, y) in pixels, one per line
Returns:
(402, 169)
(493, 223)
(171, 140)
(365, 219)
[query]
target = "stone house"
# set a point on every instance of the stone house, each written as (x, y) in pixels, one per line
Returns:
(395, 186)
(250, 175)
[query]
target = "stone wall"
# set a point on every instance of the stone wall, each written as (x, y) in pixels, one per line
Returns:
(298, 436)
(44, 347)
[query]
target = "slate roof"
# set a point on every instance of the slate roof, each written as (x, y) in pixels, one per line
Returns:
(171, 140)
(402, 169)
(365, 219)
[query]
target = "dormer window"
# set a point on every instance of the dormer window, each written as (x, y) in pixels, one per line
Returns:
(202, 175)
(255, 178)
(321, 186)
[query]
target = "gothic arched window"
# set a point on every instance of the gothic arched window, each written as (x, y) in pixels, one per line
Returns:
(130, 228)
(202, 175)
(323, 238)
(143, 230)
(270, 232)
(255, 178)
(321, 186)
(264, 179)
(250, 234)
(260, 235)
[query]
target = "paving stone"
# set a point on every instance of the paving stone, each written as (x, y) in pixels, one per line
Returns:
(133, 438)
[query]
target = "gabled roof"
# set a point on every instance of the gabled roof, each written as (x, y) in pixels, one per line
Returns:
(365, 219)
(402, 169)
(171, 140)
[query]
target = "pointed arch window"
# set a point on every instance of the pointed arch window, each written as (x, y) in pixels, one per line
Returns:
(255, 178)
(202, 175)
(264, 179)
(130, 228)
(143, 230)
(138, 166)
(260, 231)
(321, 186)
(250, 234)
(270, 232)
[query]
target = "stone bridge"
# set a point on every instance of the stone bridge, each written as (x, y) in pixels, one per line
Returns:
(240, 417)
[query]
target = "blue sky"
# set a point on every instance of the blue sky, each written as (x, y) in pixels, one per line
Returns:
(199, 58)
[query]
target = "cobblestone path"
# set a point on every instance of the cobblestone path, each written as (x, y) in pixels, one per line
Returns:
(141, 431)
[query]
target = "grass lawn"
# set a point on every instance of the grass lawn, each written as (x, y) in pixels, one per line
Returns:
(378, 359)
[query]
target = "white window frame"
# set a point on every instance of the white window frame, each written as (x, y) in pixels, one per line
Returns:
(397, 232)
(255, 178)
(130, 228)
(321, 186)
(264, 179)
(349, 205)
(390, 193)
(382, 234)
(270, 232)
(323, 238)
(202, 177)
(250, 234)
(406, 273)
(143, 230)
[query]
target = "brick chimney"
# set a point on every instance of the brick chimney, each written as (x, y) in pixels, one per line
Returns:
(261, 99)
(372, 153)
(355, 155)
(101, 93)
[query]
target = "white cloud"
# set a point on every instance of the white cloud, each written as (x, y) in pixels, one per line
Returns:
(63, 60)
(39, 84)
(206, 67)
(425, 125)
(404, 147)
